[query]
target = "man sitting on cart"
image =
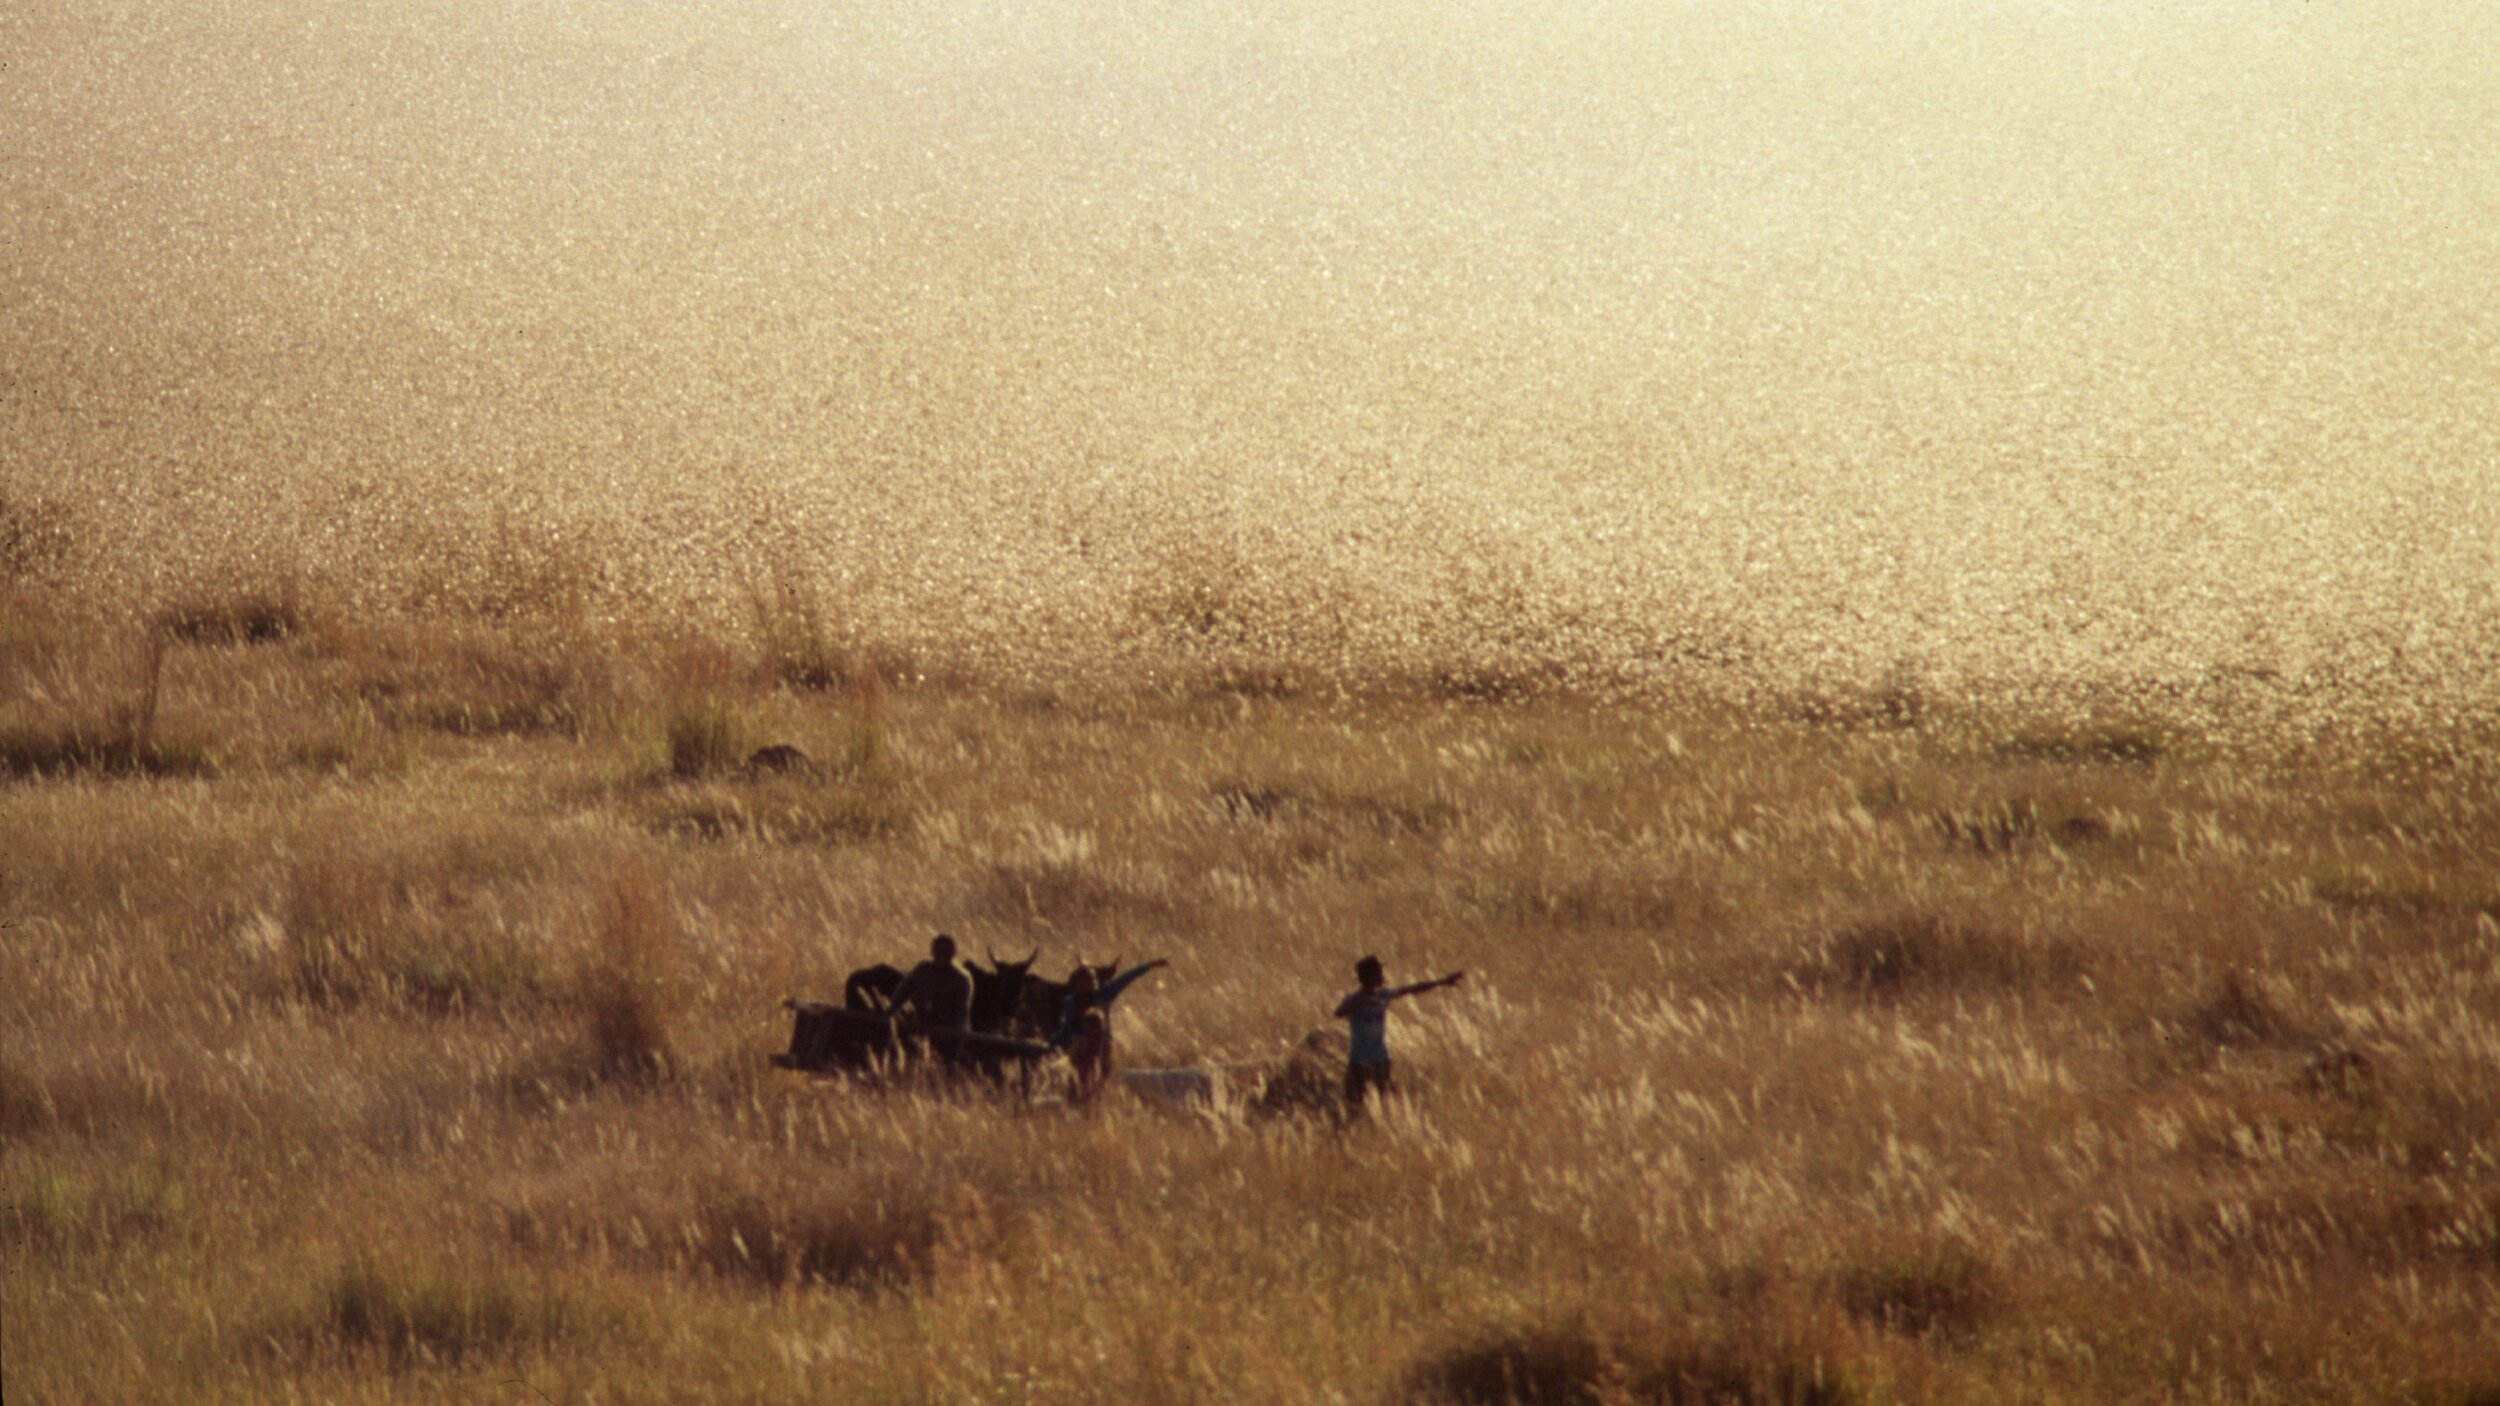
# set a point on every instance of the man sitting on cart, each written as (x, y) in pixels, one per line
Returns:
(937, 993)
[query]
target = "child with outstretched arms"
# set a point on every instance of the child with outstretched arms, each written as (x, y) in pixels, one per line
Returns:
(1366, 1013)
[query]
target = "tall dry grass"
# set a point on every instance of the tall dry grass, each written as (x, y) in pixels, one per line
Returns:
(1907, 587)
(1807, 1058)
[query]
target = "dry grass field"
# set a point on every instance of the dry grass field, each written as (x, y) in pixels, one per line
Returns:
(387, 1004)
(1913, 588)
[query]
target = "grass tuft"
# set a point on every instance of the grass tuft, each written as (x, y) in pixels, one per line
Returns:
(799, 646)
(1582, 1361)
(2102, 743)
(1927, 951)
(248, 615)
(2239, 1013)
(424, 1316)
(708, 736)
(780, 810)
(870, 1239)
(628, 981)
(1920, 1287)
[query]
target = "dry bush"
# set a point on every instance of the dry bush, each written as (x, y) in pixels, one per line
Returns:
(2239, 1012)
(799, 644)
(838, 1232)
(708, 736)
(1913, 952)
(1919, 1286)
(112, 726)
(249, 614)
(424, 1315)
(2121, 743)
(407, 918)
(1308, 1082)
(627, 982)
(2012, 826)
(1775, 1358)
(475, 680)
(797, 809)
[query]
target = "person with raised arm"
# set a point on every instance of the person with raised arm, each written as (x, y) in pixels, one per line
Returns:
(1085, 1023)
(1366, 1013)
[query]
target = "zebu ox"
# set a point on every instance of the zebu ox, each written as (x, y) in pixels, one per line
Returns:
(864, 1033)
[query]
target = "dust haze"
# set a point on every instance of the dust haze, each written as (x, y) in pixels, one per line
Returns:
(2020, 347)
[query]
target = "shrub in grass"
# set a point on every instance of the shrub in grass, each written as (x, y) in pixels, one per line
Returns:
(1585, 1361)
(797, 810)
(2105, 743)
(456, 970)
(859, 1238)
(116, 738)
(1903, 953)
(799, 646)
(1918, 1287)
(2239, 1013)
(1566, 1364)
(628, 979)
(108, 747)
(261, 614)
(422, 1315)
(708, 736)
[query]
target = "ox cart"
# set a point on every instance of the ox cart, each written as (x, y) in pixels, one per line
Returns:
(828, 1038)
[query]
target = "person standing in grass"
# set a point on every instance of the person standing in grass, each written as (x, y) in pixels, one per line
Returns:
(1366, 1013)
(1085, 1023)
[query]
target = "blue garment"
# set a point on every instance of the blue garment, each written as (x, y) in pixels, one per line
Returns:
(1072, 1013)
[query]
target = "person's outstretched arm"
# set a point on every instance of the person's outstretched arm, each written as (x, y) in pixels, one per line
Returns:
(1111, 989)
(1435, 984)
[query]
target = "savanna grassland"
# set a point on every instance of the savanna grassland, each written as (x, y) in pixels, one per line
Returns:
(1912, 589)
(388, 1004)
